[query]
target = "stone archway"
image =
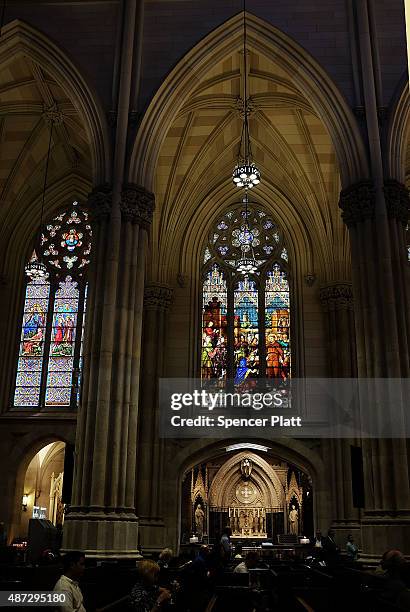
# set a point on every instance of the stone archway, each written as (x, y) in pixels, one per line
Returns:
(398, 135)
(179, 461)
(250, 488)
(266, 39)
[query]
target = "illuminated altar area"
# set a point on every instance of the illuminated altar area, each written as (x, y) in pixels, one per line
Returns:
(259, 498)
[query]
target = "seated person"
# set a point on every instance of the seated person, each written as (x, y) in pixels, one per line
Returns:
(164, 560)
(146, 595)
(317, 541)
(251, 561)
(394, 567)
(73, 570)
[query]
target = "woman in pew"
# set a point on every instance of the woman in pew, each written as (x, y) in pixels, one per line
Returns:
(251, 562)
(146, 595)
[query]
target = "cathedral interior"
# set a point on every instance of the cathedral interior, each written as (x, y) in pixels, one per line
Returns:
(129, 256)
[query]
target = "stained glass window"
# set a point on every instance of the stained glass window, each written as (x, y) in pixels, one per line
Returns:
(31, 351)
(50, 350)
(246, 330)
(246, 312)
(277, 328)
(62, 346)
(214, 325)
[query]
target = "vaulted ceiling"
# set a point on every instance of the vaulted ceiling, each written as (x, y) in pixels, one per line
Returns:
(29, 98)
(290, 143)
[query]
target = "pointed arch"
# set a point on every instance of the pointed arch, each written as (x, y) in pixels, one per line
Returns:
(19, 37)
(398, 133)
(318, 87)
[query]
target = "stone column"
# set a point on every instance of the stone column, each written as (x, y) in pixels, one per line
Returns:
(337, 303)
(379, 273)
(102, 520)
(157, 300)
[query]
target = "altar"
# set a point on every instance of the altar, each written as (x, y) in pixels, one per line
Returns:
(248, 522)
(258, 499)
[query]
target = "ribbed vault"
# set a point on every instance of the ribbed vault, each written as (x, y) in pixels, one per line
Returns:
(38, 83)
(291, 144)
(29, 97)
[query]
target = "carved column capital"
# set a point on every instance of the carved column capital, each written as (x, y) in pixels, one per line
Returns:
(397, 200)
(157, 297)
(100, 202)
(137, 204)
(336, 296)
(358, 202)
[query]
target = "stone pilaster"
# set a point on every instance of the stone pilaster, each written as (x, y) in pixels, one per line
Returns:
(337, 303)
(375, 218)
(157, 300)
(102, 519)
(338, 306)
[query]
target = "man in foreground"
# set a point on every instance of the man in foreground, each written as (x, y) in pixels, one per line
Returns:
(73, 570)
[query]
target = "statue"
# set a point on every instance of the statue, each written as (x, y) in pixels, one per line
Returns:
(246, 467)
(199, 520)
(294, 521)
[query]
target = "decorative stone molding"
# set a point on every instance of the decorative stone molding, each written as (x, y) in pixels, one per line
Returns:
(157, 297)
(397, 200)
(310, 278)
(239, 106)
(100, 202)
(52, 115)
(137, 204)
(182, 280)
(337, 296)
(358, 202)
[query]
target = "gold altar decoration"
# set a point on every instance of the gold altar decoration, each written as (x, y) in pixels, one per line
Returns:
(247, 487)
(248, 522)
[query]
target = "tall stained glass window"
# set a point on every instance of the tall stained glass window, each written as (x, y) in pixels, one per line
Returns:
(50, 350)
(246, 330)
(214, 324)
(245, 314)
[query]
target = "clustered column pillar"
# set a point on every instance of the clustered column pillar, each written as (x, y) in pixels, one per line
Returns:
(157, 300)
(376, 219)
(102, 520)
(337, 303)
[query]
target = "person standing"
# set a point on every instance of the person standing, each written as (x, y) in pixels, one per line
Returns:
(352, 550)
(225, 543)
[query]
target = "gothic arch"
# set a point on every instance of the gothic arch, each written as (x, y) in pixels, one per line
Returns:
(265, 38)
(20, 38)
(19, 246)
(21, 456)
(182, 458)
(263, 475)
(398, 135)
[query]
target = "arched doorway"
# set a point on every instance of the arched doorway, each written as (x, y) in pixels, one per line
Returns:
(259, 495)
(42, 495)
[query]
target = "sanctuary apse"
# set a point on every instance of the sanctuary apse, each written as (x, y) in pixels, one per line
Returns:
(260, 497)
(146, 102)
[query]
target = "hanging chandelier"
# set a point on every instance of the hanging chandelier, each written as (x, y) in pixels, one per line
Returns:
(247, 264)
(246, 174)
(36, 268)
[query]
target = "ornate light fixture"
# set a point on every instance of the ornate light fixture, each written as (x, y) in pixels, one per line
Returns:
(36, 268)
(247, 264)
(246, 174)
